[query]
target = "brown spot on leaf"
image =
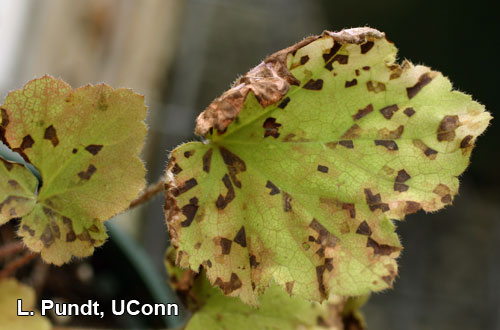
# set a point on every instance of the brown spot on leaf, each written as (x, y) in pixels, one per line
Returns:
(446, 129)
(388, 279)
(74, 150)
(241, 237)
(189, 211)
(5, 120)
(446, 199)
(284, 103)
(304, 59)
(381, 249)
(228, 287)
(335, 48)
(48, 212)
(253, 261)
(350, 208)
(389, 111)
(366, 68)
(274, 190)
(365, 48)
(325, 238)
(289, 287)
(321, 285)
(94, 148)
(271, 128)
(184, 187)
(225, 245)
(386, 134)
(188, 153)
(442, 190)
(409, 111)
(51, 135)
(314, 85)
(341, 59)
(234, 165)
(88, 173)
(412, 207)
(364, 229)
(47, 237)
(8, 165)
(29, 230)
(351, 83)
(329, 264)
(466, 142)
(375, 201)
(222, 201)
(332, 145)
(176, 169)
(423, 80)
(375, 86)
(84, 236)
(388, 144)
(13, 184)
(25, 144)
(347, 144)
(10, 199)
(402, 176)
(207, 159)
(323, 169)
(209, 263)
(70, 233)
(287, 199)
(429, 152)
(363, 112)
(353, 132)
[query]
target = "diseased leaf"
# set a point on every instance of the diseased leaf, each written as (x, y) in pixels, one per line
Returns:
(17, 190)
(85, 143)
(10, 291)
(307, 158)
(277, 309)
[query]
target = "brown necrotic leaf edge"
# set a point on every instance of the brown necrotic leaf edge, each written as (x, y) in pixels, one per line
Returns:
(269, 81)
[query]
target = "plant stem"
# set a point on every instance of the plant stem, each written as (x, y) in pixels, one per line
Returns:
(17, 263)
(150, 192)
(11, 248)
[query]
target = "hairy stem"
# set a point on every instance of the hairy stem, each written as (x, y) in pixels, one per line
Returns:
(150, 192)
(17, 263)
(11, 248)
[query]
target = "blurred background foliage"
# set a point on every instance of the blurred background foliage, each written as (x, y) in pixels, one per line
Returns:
(182, 54)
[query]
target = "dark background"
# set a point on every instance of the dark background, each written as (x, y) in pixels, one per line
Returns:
(449, 269)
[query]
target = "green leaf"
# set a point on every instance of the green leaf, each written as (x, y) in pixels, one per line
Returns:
(85, 143)
(307, 158)
(17, 190)
(277, 309)
(10, 291)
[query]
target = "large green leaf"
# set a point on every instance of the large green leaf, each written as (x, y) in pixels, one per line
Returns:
(85, 143)
(307, 158)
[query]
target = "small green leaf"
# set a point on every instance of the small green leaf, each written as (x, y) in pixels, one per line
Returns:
(10, 291)
(85, 143)
(307, 159)
(17, 190)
